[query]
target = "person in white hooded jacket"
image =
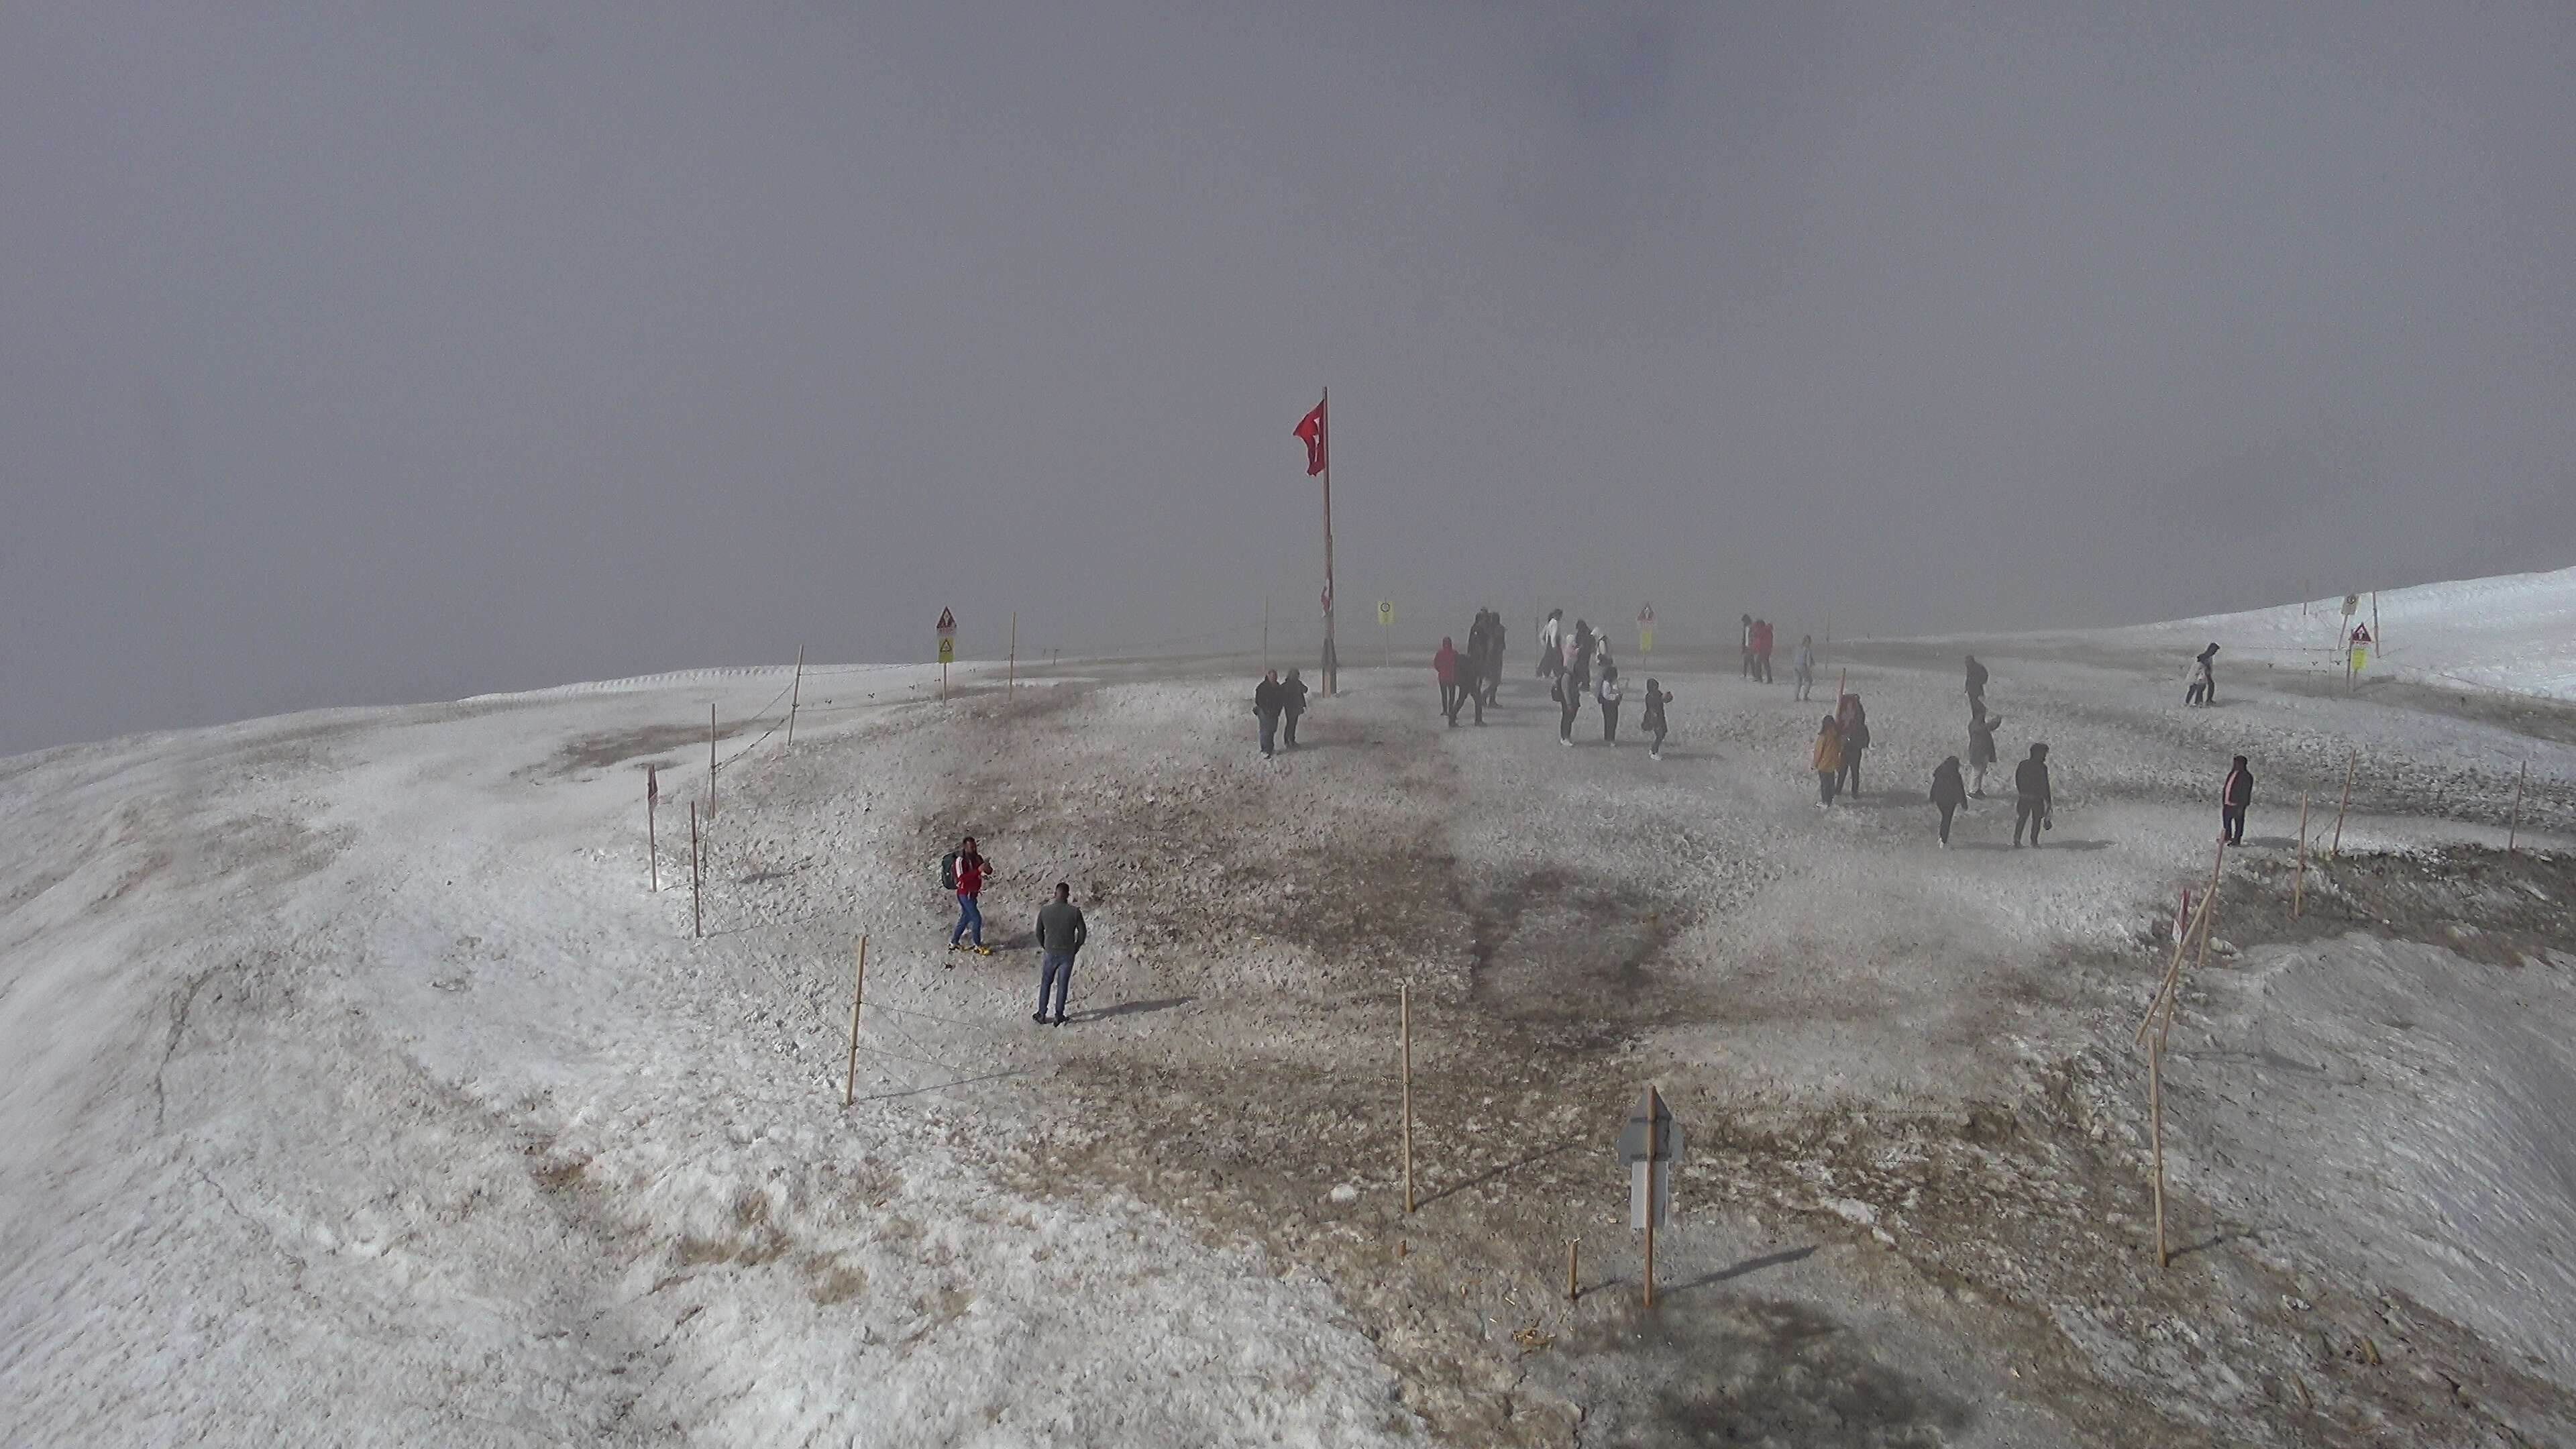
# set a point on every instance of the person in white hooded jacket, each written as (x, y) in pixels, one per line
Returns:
(1550, 635)
(1609, 691)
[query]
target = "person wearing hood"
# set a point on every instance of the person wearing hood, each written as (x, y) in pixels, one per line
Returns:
(1269, 697)
(1854, 722)
(1981, 750)
(1762, 651)
(2204, 678)
(2034, 801)
(1493, 682)
(1829, 761)
(1609, 691)
(1551, 643)
(1802, 665)
(1292, 703)
(1976, 687)
(1652, 721)
(1949, 793)
(2235, 797)
(1445, 664)
(1468, 687)
(1579, 657)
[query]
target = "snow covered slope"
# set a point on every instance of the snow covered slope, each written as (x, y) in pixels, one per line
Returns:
(2514, 632)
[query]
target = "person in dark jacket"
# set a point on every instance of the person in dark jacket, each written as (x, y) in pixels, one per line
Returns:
(2032, 805)
(1445, 664)
(1949, 793)
(1493, 656)
(1585, 642)
(1467, 685)
(1292, 703)
(1854, 722)
(1981, 750)
(1268, 699)
(1061, 932)
(1652, 719)
(1976, 687)
(2234, 798)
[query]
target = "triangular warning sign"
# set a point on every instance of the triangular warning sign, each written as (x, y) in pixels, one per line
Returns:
(947, 622)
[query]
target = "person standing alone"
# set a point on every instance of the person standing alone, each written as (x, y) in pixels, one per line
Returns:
(2235, 797)
(1061, 932)
(1948, 794)
(1267, 698)
(964, 871)
(2032, 805)
(1802, 665)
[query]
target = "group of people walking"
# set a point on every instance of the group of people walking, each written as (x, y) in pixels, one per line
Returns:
(1474, 675)
(1577, 665)
(1276, 701)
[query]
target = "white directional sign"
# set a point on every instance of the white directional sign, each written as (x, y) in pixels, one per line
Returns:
(1650, 1143)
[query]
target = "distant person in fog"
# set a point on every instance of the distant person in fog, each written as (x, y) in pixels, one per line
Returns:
(2033, 799)
(1981, 750)
(1292, 703)
(1949, 793)
(1854, 721)
(1652, 721)
(1610, 692)
(1445, 664)
(1802, 665)
(1268, 699)
(1829, 761)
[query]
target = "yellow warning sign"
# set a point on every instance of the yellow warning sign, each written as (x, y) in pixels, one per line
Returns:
(947, 650)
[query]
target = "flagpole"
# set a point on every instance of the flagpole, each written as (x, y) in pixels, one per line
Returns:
(1332, 657)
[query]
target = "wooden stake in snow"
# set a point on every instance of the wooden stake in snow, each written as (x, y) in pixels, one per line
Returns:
(711, 762)
(652, 848)
(2513, 831)
(1573, 1289)
(2299, 891)
(858, 993)
(1011, 685)
(2173, 972)
(1404, 1033)
(697, 921)
(1654, 1105)
(2156, 1136)
(795, 693)
(2336, 848)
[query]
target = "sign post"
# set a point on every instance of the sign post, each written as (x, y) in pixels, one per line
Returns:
(1385, 621)
(1651, 1144)
(1646, 630)
(947, 648)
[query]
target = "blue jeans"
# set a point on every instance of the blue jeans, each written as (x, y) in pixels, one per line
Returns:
(1056, 974)
(970, 917)
(1269, 732)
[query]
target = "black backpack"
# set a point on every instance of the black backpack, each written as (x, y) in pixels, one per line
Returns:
(948, 870)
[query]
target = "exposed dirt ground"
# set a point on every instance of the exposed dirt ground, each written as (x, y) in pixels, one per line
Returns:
(1916, 1205)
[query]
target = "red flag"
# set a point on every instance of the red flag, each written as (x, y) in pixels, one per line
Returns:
(1312, 431)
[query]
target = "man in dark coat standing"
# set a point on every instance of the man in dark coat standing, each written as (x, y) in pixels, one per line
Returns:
(1061, 932)
(2033, 806)
(1268, 698)
(2234, 798)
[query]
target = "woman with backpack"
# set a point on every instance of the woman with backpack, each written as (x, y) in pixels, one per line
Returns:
(1829, 761)
(1853, 721)
(963, 871)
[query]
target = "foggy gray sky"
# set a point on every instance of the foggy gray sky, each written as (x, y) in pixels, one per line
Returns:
(366, 353)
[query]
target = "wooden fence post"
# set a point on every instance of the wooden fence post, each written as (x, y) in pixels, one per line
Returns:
(711, 762)
(2299, 892)
(2335, 850)
(1011, 685)
(2156, 1137)
(652, 846)
(697, 921)
(858, 993)
(1404, 1030)
(795, 694)
(2513, 831)
(1573, 1284)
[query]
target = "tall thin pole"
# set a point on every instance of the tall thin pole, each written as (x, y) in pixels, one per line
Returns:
(652, 847)
(697, 920)
(1332, 654)
(2156, 1136)
(795, 694)
(711, 760)
(1404, 1028)
(2335, 850)
(2514, 830)
(1265, 635)
(1654, 1109)
(858, 993)
(2299, 892)
(1012, 684)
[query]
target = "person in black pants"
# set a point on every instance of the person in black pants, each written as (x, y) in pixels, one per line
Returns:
(2234, 797)
(2031, 807)
(1292, 703)
(1949, 792)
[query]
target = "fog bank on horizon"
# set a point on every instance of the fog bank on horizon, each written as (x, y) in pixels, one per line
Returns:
(412, 352)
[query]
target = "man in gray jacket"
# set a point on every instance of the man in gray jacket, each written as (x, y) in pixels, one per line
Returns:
(1061, 932)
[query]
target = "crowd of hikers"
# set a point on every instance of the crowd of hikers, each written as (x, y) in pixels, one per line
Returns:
(1576, 663)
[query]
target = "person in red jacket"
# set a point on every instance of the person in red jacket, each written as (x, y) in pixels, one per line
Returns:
(2234, 798)
(964, 871)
